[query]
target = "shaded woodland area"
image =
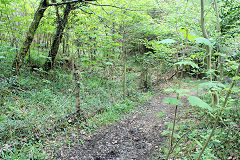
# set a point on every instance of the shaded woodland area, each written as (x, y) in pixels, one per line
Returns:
(68, 68)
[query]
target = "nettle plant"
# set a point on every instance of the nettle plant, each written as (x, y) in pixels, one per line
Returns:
(215, 107)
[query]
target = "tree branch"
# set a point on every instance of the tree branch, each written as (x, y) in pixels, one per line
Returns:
(106, 5)
(57, 12)
(102, 5)
(68, 2)
(102, 20)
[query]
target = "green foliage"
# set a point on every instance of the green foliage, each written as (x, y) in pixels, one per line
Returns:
(195, 101)
(163, 36)
(167, 41)
(34, 105)
(169, 90)
(182, 90)
(187, 63)
(203, 40)
(172, 101)
(230, 17)
(2, 57)
(212, 85)
(197, 127)
(188, 33)
(160, 114)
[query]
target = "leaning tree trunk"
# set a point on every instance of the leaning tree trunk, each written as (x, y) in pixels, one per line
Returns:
(30, 35)
(57, 39)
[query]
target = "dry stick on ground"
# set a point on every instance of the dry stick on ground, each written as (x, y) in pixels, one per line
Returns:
(217, 119)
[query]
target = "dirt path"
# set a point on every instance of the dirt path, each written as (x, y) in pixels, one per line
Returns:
(136, 136)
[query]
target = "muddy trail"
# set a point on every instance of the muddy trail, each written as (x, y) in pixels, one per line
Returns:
(136, 136)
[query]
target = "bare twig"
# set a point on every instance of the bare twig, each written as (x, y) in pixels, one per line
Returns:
(108, 5)
(101, 19)
(103, 9)
(57, 12)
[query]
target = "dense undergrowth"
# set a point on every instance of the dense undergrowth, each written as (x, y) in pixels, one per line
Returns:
(196, 123)
(34, 106)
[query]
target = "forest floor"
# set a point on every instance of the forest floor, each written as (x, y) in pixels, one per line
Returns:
(135, 136)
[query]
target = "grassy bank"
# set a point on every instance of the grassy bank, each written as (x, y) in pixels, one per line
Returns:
(34, 107)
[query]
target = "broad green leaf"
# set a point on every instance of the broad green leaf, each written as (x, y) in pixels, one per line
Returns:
(5, 1)
(43, 56)
(182, 90)
(199, 143)
(42, 44)
(47, 81)
(167, 41)
(203, 41)
(2, 57)
(192, 64)
(168, 90)
(85, 59)
(85, 63)
(165, 132)
(160, 114)
(217, 85)
(234, 78)
(195, 101)
(176, 135)
(183, 95)
(191, 35)
(109, 63)
(2, 127)
(193, 56)
(228, 108)
(172, 101)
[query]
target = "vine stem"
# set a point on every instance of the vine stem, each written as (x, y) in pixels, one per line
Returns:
(217, 120)
(173, 147)
(173, 128)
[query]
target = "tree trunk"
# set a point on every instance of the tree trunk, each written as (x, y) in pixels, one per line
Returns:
(124, 61)
(63, 46)
(220, 39)
(78, 86)
(30, 35)
(57, 39)
(205, 36)
(184, 52)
